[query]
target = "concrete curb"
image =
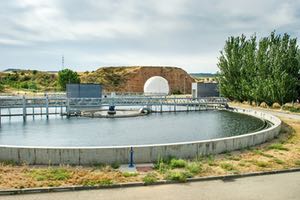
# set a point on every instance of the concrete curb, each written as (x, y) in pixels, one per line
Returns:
(138, 184)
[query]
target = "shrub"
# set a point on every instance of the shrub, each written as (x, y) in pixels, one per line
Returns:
(276, 106)
(287, 106)
(178, 176)
(150, 178)
(261, 164)
(278, 161)
(102, 182)
(25, 78)
(253, 103)
(24, 85)
(291, 107)
(28, 85)
(294, 109)
(99, 165)
(32, 86)
(211, 160)
(263, 105)
(194, 168)
(177, 163)
(162, 167)
(163, 160)
(243, 164)
(176, 92)
(278, 146)
(53, 184)
(8, 162)
(235, 158)
(130, 174)
(115, 165)
(260, 152)
(227, 166)
(52, 174)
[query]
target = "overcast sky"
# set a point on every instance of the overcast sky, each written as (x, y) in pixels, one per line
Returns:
(92, 33)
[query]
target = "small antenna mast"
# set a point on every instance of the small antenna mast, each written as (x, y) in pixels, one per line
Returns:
(63, 62)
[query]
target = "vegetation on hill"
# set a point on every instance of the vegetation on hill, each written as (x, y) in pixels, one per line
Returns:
(260, 71)
(110, 77)
(30, 80)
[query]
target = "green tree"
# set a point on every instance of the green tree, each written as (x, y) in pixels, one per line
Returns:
(230, 65)
(1, 82)
(66, 76)
(1, 87)
(265, 71)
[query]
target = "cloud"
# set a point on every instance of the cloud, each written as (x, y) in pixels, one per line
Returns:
(187, 33)
(142, 59)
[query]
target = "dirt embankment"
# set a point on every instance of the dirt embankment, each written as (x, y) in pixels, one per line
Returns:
(132, 79)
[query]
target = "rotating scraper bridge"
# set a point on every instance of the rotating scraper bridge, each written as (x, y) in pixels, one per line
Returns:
(49, 105)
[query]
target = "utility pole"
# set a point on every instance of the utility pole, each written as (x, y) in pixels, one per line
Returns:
(63, 62)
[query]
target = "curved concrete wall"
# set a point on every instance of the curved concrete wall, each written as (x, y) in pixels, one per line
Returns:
(142, 153)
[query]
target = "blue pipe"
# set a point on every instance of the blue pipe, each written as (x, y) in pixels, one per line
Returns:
(131, 158)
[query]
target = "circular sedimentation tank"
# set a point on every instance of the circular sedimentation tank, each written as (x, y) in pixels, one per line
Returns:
(84, 140)
(156, 128)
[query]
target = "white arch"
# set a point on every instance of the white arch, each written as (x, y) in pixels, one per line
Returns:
(156, 85)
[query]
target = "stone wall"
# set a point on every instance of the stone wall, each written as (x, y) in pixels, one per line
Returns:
(178, 79)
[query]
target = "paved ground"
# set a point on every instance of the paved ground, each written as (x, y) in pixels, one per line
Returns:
(269, 187)
(285, 115)
(281, 114)
(272, 112)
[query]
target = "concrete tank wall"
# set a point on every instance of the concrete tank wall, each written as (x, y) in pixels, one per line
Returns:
(142, 153)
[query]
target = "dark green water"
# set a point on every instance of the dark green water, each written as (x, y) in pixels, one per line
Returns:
(151, 129)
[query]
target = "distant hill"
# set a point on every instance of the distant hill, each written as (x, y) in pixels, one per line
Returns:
(26, 70)
(117, 79)
(53, 72)
(11, 70)
(203, 75)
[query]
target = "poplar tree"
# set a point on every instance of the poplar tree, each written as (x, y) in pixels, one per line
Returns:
(263, 71)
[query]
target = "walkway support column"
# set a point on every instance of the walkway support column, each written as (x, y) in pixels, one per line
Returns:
(61, 107)
(175, 104)
(47, 106)
(68, 107)
(24, 108)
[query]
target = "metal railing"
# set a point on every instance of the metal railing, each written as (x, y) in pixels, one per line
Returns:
(23, 104)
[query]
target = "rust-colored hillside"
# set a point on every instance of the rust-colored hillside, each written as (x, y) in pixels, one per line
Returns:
(132, 79)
